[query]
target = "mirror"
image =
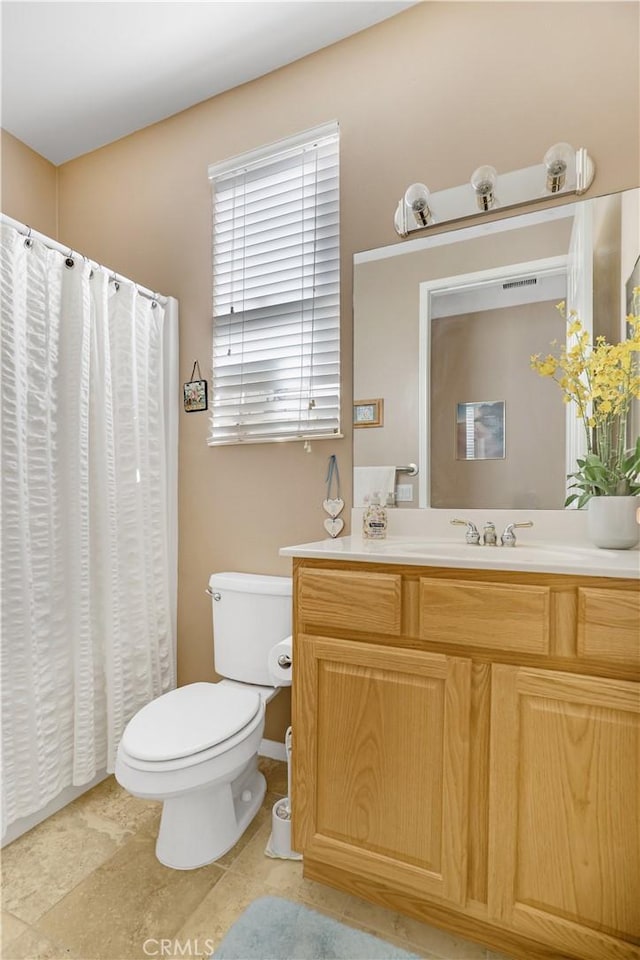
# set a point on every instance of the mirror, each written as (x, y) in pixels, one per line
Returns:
(444, 327)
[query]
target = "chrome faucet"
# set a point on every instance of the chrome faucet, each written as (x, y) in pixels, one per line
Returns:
(489, 535)
(508, 538)
(472, 535)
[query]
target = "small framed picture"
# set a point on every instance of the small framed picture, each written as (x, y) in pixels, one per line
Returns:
(195, 392)
(195, 396)
(368, 413)
(480, 430)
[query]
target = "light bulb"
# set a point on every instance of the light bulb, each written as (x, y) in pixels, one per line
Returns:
(417, 199)
(483, 181)
(556, 160)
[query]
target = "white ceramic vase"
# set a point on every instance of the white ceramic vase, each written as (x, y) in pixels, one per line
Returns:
(612, 522)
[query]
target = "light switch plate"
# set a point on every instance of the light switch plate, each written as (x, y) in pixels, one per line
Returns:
(404, 493)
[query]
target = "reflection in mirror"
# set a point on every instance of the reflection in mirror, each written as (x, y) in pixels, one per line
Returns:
(477, 334)
(452, 320)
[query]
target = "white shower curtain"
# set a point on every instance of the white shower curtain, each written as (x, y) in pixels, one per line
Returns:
(89, 450)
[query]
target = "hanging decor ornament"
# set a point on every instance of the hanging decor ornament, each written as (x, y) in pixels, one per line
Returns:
(195, 392)
(333, 505)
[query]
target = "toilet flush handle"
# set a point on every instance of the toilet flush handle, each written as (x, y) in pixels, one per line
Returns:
(210, 593)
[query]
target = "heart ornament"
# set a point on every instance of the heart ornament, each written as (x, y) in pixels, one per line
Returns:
(333, 507)
(333, 526)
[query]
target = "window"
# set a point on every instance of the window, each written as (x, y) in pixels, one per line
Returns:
(276, 292)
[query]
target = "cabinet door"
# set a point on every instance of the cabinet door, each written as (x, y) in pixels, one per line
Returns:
(381, 742)
(564, 832)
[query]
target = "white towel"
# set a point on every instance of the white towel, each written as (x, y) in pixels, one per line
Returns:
(370, 480)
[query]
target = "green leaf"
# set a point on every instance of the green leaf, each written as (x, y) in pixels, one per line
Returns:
(631, 465)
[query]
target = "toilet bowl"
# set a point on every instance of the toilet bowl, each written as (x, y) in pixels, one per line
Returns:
(195, 748)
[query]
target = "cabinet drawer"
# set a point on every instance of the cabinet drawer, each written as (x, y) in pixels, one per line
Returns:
(497, 615)
(609, 626)
(350, 600)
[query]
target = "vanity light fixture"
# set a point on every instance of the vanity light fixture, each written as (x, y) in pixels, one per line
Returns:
(483, 181)
(557, 160)
(416, 200)
(563, 172)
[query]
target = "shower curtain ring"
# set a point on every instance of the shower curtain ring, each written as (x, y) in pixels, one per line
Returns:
(28, 241)
(69, 262)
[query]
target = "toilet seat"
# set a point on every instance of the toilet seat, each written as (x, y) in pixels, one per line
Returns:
(182, 764)
(190, 724)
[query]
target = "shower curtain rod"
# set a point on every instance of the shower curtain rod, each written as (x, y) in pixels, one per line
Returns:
(26, 230)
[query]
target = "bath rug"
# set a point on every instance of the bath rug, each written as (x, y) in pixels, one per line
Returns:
(275, 929)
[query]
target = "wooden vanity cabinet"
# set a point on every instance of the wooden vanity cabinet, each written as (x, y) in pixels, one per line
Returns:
(564, 829)
(465, 753)
(385, 756)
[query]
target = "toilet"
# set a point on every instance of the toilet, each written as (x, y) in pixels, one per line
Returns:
(196, 747)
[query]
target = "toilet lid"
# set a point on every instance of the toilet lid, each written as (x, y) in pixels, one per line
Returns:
(188, 720)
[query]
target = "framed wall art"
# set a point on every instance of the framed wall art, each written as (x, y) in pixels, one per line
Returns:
(480, 430)
(368, 413)
(195, 392)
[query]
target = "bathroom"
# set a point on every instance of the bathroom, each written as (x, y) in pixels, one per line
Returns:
(428, 94)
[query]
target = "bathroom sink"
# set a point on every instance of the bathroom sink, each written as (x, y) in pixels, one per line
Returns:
(527, 555)
(443, 548)
(427, 547)
(555, 548)
(456, 547)
(524, 555)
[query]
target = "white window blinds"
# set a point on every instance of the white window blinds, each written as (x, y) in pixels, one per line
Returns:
(276, 292)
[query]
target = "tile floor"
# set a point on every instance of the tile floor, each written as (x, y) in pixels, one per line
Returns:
(85, 884)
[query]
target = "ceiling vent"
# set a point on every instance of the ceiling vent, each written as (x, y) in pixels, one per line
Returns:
(529, 282)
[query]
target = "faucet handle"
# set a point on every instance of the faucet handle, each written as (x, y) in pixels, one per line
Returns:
(508, 538)
(472, 535)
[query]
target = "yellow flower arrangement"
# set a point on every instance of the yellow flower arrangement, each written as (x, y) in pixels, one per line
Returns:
(603, 380)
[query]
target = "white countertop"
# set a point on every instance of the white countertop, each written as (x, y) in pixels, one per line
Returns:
(530, 556)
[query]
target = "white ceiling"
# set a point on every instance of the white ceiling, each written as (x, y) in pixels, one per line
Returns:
(77, 75)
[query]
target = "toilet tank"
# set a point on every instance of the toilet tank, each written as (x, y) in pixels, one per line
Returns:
(251, 613)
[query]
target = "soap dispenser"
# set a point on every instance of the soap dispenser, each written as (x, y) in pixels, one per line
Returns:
(374, 520)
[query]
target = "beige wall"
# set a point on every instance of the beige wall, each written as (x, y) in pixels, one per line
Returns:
(485, 357)
(427, 95)
(28, 186)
